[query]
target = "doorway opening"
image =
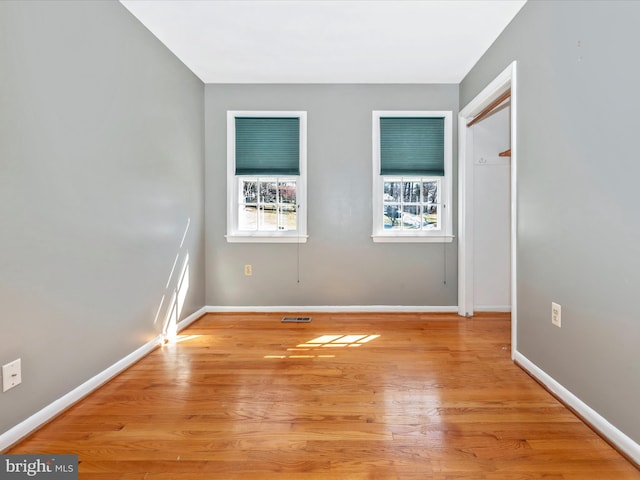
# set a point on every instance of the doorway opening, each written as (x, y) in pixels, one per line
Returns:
(487, 170)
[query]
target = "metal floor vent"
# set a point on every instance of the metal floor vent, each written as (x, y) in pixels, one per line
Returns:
(296, 319)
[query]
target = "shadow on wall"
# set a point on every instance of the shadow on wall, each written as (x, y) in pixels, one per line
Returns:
(176, 290)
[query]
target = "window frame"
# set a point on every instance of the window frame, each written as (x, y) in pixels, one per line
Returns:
(234, 234)
(444, 233)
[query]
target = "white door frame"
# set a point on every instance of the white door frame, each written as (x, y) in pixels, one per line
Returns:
(503, 82)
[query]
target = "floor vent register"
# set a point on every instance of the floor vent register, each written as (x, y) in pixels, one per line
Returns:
(296, 319)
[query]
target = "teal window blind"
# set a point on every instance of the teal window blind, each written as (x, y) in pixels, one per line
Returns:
(267, 146)
(412, 146)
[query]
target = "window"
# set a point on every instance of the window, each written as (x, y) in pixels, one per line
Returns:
(266, 176)
(412, 176)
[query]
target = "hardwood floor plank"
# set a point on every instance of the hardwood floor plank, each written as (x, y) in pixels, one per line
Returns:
(244, 396)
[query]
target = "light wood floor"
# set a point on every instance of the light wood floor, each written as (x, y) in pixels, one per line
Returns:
(433, 397)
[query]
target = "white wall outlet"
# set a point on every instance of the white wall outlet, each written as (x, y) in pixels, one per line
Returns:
(248, 270)
(556, 314)
(11, 375)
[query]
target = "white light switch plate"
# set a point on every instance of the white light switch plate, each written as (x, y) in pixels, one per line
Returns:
(11, 375)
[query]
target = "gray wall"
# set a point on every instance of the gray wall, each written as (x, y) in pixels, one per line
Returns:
(340, 264)
(101, 168)
(578, 170)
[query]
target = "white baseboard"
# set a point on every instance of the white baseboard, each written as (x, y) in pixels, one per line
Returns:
(492, 308)
(191, 318)
(35, 421)
(333, 309)
(597, 421)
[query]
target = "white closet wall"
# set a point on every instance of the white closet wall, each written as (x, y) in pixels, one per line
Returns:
(492, 241)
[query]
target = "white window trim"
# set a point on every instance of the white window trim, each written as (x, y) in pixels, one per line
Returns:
(233, 234)
(444, 235)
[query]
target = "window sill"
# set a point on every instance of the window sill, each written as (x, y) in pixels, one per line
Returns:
(237, 238)
(412, 238)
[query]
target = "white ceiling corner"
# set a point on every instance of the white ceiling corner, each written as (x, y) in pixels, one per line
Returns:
(327, 41)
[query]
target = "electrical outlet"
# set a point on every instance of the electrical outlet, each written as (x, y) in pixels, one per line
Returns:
(556, 314)
(248, 270)
(11, 375)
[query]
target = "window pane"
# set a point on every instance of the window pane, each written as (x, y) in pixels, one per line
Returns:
(287, 191)
(391, 217)
(392, 191)
(288, 217)
(411, 191)
(430, 191)
(411, 204)
(247, 217)
(268, 192)
(411, 218)
(249, 191)
(267, 217)
(430, 217)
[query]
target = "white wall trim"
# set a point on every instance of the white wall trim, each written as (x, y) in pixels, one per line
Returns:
(332, 309)
(593, 418)
(493, 308)
(233, 234)
(412, 238)
(185, 322)
(38, 419)
(503, 82)
(445, 233)
(465, 219)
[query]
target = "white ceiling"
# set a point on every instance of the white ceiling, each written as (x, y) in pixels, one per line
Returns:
(327, 41)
